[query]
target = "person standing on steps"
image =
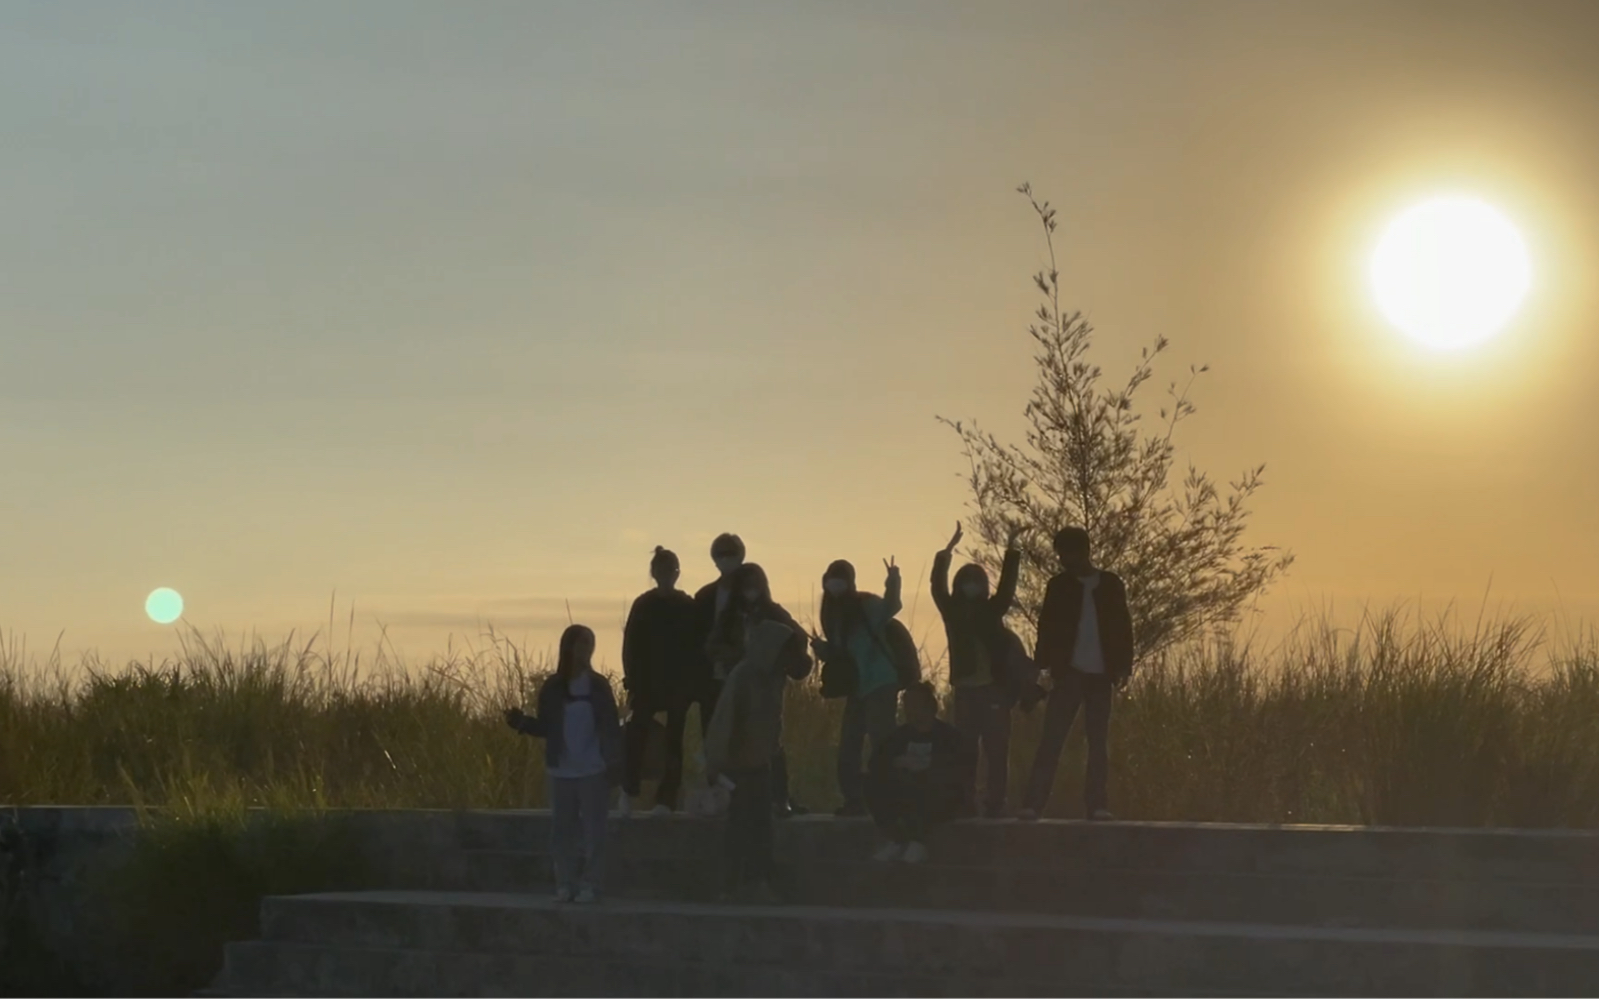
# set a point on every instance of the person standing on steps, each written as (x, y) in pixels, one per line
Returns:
(1085, 642)
(582, 732)
(857, 664)
(980, 651)
(660, 661)
(920, 778)
(747, 727)
(712, 602)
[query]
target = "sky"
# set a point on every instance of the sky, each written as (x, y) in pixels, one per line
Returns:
(448, 313)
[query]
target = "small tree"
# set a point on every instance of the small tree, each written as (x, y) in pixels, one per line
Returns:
(1090, 461)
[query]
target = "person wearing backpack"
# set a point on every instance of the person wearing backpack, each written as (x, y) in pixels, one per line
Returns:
(981, 652)
(858, 664)
(1085, 641)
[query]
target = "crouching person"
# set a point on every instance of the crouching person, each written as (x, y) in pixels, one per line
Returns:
(582, 732)
(921, 777)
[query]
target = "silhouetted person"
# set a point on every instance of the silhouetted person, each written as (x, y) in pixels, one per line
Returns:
(1085, 642)
(858, 664)
(980, 651)
(661, 663)
(921, 777)
(582, 732)
(768, 649)
(712, 602)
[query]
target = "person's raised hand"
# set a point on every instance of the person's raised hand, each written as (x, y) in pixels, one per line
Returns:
(955, 539)
(1013, 535)
(893, 570)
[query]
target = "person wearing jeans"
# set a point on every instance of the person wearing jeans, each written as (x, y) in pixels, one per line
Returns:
(980, 655)
(582, 732)
(857, 664)
(1085, 641)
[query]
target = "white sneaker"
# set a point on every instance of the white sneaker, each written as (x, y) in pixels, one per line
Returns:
(586, 896)
(563, 894)
(661, 811)
(915, 853)
(624, 806)
(889, 853)
(1027, 815)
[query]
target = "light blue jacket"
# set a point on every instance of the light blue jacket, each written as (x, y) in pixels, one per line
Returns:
(868, 646)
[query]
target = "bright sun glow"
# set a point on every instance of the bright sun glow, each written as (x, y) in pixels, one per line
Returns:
(1450, 272)
(164, 606)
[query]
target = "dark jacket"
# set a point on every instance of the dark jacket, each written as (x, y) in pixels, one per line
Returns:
(1059, 616)
(704, 629)
(550, 722)
(953, 758)
(970, 623)
(660, 656)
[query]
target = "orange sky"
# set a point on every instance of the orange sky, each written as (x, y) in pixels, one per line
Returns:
(460, 310)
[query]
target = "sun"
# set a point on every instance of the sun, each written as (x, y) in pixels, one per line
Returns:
(164, 605)
(1450, 272)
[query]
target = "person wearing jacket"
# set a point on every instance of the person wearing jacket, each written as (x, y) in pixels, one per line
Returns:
(582, 732)
(747, 727)
(713, 602)
(921, 778)
(857, 664)
(1085, 642)
(980, 657)
(660, 663)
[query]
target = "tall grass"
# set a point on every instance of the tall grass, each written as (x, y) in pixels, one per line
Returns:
(1396, 721)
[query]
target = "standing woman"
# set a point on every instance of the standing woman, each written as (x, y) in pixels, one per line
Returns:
(660, 659)
(747, 726)
(582, 732)
(857, 664)
(979, 660)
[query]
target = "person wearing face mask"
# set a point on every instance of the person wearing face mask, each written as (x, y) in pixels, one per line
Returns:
(1085, 641)
(660, 660)
(723, 649)
(979, 653)
(857, 664)
(747, 728)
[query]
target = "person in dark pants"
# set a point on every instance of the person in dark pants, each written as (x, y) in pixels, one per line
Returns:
(578, 721)
(980, 655)
(747, 727)
(921, 778)
(858, 665)
(712, 603)
(1085, 641)
(660, 661)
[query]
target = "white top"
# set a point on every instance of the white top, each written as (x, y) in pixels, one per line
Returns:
(580, 754)
(1089, 656)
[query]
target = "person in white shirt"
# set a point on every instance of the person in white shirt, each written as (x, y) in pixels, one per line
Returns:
(1085, 642)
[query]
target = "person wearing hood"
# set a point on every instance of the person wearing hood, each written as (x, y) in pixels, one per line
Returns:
(857, 664)
(720, 637)
(747, 727)
(660, 669)
(980, 654)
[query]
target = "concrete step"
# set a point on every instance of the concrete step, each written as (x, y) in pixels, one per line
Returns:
(1075, 953)
(281, 969)
(1524, 856)
(1130, 894)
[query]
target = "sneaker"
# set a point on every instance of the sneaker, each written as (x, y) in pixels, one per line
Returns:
(661, 811)
(889, 853)
(762, 893)
(624, 806)
(915, 853)
(993, 811)
(1101, 815)
(563, 895)
(850, 810)
(1027, 815)
(586, 895)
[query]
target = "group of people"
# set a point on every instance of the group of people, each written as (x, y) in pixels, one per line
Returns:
(731, 650)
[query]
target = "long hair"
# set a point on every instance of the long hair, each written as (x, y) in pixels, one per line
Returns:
(740, 610)
(566, 662)
(971, 572)
(846, 608)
